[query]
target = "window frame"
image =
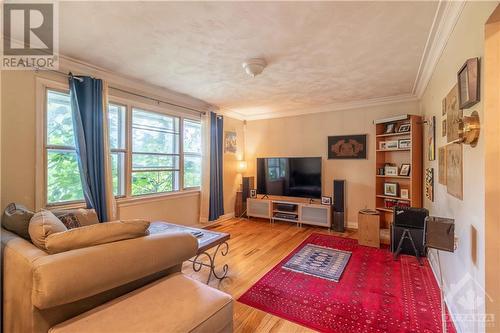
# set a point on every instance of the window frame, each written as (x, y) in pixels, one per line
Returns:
(121, 150)
(43, 85)
(178, 154)
(47, 147)
(189, 153)
(130, 104)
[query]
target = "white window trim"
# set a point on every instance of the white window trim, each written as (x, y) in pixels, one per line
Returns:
(42, 85)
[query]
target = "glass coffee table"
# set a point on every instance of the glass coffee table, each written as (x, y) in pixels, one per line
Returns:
(207, 240)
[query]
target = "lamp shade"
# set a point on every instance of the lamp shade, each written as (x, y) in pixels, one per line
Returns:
(241, 167)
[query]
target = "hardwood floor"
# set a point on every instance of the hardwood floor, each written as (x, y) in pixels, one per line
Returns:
(255, 247)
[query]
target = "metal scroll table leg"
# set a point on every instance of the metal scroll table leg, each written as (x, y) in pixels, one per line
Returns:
(198, 264)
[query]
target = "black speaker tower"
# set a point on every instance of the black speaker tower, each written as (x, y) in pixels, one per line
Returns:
(247, 185)
(339, 207)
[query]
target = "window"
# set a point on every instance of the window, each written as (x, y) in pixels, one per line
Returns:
(155, 152)
(276, 168)
(151, 152)
(63, 183)
(117, 143)
(192, 153)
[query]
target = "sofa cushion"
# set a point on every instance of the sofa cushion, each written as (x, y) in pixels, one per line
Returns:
(42, 225)
(95, 234)
(16, 218)
(173, 304)
(71, 276)
(74, 218)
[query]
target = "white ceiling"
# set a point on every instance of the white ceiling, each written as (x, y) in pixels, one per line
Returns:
(319, 53)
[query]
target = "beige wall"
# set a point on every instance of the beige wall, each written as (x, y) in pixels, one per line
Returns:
(232, 179)
(466, 265)
(307, 135)
(492, 147)
(18, 158)
(18, 138)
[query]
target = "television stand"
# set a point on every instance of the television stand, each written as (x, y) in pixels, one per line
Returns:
(288, 209)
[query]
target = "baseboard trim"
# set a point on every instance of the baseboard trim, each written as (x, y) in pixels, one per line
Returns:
(352, 225)
(205, 223)
(431, 257)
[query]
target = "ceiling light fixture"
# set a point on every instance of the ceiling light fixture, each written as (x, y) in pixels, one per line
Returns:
(254, 66)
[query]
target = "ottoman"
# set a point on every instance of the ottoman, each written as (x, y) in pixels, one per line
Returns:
(173, 304)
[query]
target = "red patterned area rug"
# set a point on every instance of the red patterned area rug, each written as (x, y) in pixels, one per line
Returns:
(374, 294)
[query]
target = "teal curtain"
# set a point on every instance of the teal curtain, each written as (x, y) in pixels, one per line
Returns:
(216, 205)
(88, 121)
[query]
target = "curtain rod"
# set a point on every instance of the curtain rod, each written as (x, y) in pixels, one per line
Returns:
(130, 92)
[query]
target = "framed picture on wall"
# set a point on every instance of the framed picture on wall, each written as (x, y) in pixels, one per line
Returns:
(468, 83)
(431, 140)
(345, 147)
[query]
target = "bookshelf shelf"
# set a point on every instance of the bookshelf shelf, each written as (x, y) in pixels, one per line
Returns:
(391, 150)
(391, 197)
(411, 155)
(393, 134)
(398, 177)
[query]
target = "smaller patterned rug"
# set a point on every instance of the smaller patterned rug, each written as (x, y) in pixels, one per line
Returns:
(319, 261)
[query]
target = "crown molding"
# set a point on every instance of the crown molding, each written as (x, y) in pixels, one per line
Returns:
(445, 19)
(323, 108)
(68, 64)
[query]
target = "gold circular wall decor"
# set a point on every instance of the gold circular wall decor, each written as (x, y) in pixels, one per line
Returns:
(471, 129)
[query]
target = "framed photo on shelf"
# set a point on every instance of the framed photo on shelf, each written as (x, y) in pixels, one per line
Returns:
(405, 169)
(391, 145)
(391, 189)
(381, 145)
(389, 128)
(404, 193)
(404, 143)
(404, 128)
(253, 194)
(326, 200)
(391, 170)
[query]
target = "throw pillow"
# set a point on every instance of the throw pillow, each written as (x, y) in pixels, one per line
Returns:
(82, 215)
(16, 218)
(96, 234)
(42, 225)
(69, 220)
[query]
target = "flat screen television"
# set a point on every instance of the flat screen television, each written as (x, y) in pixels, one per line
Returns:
(289, 176)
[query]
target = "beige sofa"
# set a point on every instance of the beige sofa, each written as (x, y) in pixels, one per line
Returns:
(42, 290)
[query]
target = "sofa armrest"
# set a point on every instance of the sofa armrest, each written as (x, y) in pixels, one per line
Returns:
(69, 276)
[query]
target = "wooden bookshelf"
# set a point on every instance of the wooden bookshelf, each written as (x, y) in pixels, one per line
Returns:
(412, 156)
